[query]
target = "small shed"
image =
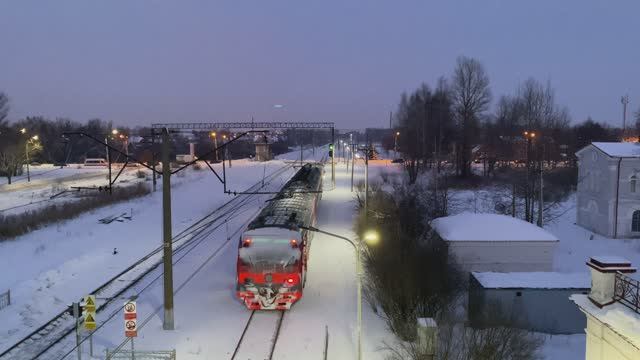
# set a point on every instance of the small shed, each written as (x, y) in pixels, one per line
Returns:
(536, 301)
(492, 242)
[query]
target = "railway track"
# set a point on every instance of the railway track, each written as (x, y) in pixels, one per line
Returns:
(51, 333)
(251, 344)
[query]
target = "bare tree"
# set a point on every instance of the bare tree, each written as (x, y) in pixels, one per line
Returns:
(11, 158)
(471, 97)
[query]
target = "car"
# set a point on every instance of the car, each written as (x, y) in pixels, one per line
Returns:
(397, 161)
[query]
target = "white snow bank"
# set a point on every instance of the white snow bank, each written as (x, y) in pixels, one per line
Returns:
(619, 149)
(533, 280)
(488, 227)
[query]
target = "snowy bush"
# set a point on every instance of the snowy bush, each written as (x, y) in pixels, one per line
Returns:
(408, 274)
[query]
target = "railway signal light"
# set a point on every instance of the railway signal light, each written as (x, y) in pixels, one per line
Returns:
(330, 150)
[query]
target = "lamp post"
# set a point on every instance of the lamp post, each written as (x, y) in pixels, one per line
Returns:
(395, 143)
(371, 237)
(529, 135)
(26, 145)
(215, 145)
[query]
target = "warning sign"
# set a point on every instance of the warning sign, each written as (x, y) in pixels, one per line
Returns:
(130, 310)
(89, 303)
(89, 321)
(131, 328)
(130, 319)
(89, 312)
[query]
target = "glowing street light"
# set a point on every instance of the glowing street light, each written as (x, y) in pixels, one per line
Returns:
(26, 146)
(23, 130)
(371, 237)
(114, 131)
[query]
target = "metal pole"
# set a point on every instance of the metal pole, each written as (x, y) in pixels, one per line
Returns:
(215, 144)
(359, 278)
(133, 351)
(153, 157)
(353, 162)
(109, 157)
(540, 201)
(26, 145)
(333, 165)
(366, 179)
(166, 233)
(76, 315)
(91, 343)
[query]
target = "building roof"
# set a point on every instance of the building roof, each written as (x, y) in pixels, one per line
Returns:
(533, 280)
(619, 149)
(488, 227)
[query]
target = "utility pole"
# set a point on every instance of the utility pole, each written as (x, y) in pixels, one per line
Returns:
(366, 178)
(168, 323)
(353, 159)
(540, 201)
(153, 157)
(625, 101)
(26, 145)
(333, 165)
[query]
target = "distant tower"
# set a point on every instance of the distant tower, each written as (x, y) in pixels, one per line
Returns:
(625, 101)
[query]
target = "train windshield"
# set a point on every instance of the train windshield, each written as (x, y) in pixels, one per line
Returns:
(267, 254)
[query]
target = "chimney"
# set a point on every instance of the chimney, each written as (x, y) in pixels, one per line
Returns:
(603, 277)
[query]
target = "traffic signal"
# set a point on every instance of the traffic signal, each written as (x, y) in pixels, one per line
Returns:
(330, 150)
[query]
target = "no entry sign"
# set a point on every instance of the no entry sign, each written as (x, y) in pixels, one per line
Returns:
(130, 319)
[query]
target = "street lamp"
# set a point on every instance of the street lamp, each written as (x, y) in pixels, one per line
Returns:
(395, 143)
(215, 145)
(26, 145)
(370, 237)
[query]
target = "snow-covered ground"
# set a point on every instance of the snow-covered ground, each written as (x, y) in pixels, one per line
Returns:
(51, 267)
(47, 181)
(209, 320)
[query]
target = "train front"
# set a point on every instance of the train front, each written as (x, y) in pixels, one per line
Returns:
(270, 271)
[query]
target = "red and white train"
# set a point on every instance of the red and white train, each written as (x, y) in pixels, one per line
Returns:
(274, 250)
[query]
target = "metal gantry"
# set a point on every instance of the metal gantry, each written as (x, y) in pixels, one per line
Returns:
(207, 126)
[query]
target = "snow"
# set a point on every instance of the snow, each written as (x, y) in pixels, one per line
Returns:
(619, 149)
(563, 347)
(48, 181)
(488, 227)
(533, 280)
(603, 259)
(60, 263)
(53, 266)
(616, 316)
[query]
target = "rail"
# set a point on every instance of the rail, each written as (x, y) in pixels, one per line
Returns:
(627, 292)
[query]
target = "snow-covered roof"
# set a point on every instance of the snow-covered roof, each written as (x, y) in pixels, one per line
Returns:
(533, 280)
(616, 316)
(619, 149)
(488, 227)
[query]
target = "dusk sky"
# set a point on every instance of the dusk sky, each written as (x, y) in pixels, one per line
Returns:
(138, 62)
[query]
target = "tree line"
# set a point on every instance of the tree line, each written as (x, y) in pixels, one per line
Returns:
(452, 122)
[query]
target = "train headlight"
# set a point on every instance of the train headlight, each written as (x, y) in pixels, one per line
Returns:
(294, 243)
(289, 281)
(246, 242)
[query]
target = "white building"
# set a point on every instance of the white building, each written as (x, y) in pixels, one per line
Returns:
(608, 196)
(612, 309)
(492, 242)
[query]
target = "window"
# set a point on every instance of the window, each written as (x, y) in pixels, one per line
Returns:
(632, 184)
(635, 223)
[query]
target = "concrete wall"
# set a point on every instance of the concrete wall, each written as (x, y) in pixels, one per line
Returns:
(503, 256)
(605, 344)
(542, 310)
(596, 193)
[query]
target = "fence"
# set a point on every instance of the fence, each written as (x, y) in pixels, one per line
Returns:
(627, 292)
(141, 355)
(5, 299)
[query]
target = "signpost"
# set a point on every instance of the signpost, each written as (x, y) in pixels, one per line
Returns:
(131, 322)
(89, 317)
